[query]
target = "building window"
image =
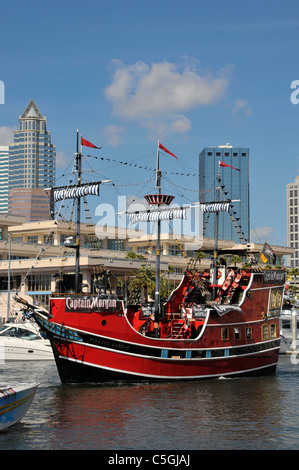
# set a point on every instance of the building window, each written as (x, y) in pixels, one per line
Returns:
(39, 282)
(115, 244)
(15, 283)
(33, 239)
(174, 250)
(17, 239)
(92, 242)
(142, 249)
(49, 239)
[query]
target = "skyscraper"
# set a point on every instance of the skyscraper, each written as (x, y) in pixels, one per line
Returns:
(28, 163)
(234, 186)
(32, 156)
(292, 221)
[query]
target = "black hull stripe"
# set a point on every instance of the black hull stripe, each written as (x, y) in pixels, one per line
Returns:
(100, 373)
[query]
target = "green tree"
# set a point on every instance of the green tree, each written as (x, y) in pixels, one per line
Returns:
(235, 259)
(142, 284)
(133, 255)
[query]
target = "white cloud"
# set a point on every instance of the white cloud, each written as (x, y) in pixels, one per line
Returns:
(158, 95)
(6, 135)
(241, 106)
(114, 134)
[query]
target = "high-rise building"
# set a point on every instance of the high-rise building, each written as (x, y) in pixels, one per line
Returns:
(234, 186)
(28, 163)
(4, 155)
(32, 156)
(292, 221)
(31, 203)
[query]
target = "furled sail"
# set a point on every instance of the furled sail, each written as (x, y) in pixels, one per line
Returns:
(153, 216)
(73, 192)
(215, 207)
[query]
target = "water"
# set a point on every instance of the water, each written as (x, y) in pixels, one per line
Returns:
(242, 414)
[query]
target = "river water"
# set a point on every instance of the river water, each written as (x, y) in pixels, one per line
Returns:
(259, 413)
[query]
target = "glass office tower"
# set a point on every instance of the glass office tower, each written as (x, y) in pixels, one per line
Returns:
(32, 156)
(235, 186)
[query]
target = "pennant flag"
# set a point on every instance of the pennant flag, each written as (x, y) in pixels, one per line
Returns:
(88, 144)
(268, 255)
(167, 151)
(225, 164)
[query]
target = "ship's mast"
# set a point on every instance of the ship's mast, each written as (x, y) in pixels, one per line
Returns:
(78, 170)
(217, 197)
(158, 199)
(157, 288)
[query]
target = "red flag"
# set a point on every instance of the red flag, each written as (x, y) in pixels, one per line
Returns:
(225, 164)
(165, 150)
(88, 144)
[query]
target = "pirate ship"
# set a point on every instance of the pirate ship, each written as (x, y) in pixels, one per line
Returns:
(219, 322)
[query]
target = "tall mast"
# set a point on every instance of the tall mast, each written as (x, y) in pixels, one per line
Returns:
(78, 170)
(157, 288)
(158, 199)
(216, 239)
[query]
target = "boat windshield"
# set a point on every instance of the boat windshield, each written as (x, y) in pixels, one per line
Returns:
(17, 332)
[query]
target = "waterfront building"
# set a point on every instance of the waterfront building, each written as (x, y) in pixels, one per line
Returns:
(235, 186)
(292, 221)
(38, 257)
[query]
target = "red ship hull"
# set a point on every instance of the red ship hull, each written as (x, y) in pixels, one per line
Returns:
(95, 339)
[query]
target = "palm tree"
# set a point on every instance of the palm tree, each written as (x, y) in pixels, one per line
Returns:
(133, 255)
(142, 283)
(199, 255)
(142, 286)
(235, 259)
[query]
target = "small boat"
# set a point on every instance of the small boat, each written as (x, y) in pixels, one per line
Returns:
(286, 329)
(219, 322)
(14, 402)
(22, 341)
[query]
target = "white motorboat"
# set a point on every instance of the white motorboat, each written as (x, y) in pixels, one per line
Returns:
(22, 341)
(286, 330)
(14, 402)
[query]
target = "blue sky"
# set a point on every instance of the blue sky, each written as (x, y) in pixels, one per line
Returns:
(192, 73)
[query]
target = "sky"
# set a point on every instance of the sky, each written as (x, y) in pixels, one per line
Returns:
(191, 73)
